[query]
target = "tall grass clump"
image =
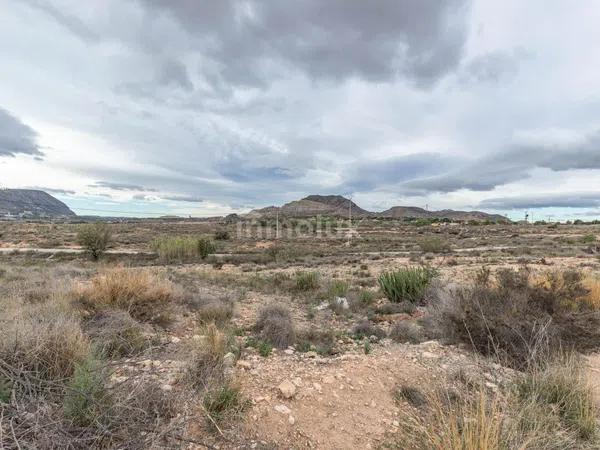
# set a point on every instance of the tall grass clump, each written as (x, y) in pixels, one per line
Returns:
(146, 296)
(549, 407)
(409, 284)
(306, 281)
(182, 248)
(94, 238)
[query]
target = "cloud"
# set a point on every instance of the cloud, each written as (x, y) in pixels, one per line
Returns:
(493, 66)
(515, 164)
(183, 198)
(120, 186)
(248, 42)
(547, 200)
(54, 190)
(16, 137)
(369, 175)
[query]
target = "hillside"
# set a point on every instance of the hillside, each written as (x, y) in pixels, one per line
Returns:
(33, 203)
(338, 206)
(313, 205)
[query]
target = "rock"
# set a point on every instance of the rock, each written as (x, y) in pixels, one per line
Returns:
(291, 420)
(287, 389)
(373, 338)
(288, 351)
(229, 360)
(317, 386)
(175, 340)
(342, 301)
(311, 354)
(429, 355)
(166, 387)
(282, 409)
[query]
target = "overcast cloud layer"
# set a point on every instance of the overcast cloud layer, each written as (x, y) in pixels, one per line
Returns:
(150, 107)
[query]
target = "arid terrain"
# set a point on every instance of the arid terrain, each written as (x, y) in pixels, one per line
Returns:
(290, 339)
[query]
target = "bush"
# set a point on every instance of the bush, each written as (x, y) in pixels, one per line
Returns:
(222, 235)
(365, 329)
(321, 341)
(218, 312)
(515, 314)
(406, 284)
(94, 238)
(588, 238)
(274, 325)
(306, 281)
(86, 400)
(406, 331)
(434, 245)
(182, 248)
(116, 334)
(144, 295)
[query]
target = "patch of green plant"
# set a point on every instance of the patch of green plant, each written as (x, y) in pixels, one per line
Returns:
(86, 399)
(434, 244)
(588, 238)
(181, 248)
(306, 281)
(407, 284)
(223, 402)
(338, 288)
(5, 389)
(366, 297)
(94, 238)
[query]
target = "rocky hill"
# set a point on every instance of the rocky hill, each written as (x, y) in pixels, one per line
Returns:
(31, 203)
(313, 205)
(338, 206)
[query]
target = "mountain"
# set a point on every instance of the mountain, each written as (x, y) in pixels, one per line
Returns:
(338, 206)
(400, 212)
(313, 205)
(31, 203)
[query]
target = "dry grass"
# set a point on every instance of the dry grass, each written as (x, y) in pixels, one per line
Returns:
(592, 284)
(206, 362)
(43, 340)
(143, 294)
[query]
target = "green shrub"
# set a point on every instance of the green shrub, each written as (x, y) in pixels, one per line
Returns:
(338, 288)
(366, 297)
(86, 399)
(223, 402)
(306, 281)
(588, 238)
(406, 284)
(222, 235)
(94, 238)
(264, 348)
(5, 389)
(205, 247)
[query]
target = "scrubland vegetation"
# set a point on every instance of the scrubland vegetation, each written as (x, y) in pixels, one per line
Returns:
(173, 350)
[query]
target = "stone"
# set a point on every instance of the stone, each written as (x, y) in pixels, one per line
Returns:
(229, 360)
(282, 409)
(311, 354)
(291, 420)
(288, 351)
(287, 389)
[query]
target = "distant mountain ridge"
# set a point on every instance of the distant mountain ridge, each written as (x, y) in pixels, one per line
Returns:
(31, 203)
(339, 206)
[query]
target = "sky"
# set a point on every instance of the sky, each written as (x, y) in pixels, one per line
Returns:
(204, 108)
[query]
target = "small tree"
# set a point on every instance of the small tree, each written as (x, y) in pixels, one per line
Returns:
(95, 238)
(205, 247)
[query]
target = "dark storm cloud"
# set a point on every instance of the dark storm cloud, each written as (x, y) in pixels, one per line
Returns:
(368, 175)
(513, 165)
(556, 200)
(183, 198)
(16, 137)
(247, 42)
(120, 186)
